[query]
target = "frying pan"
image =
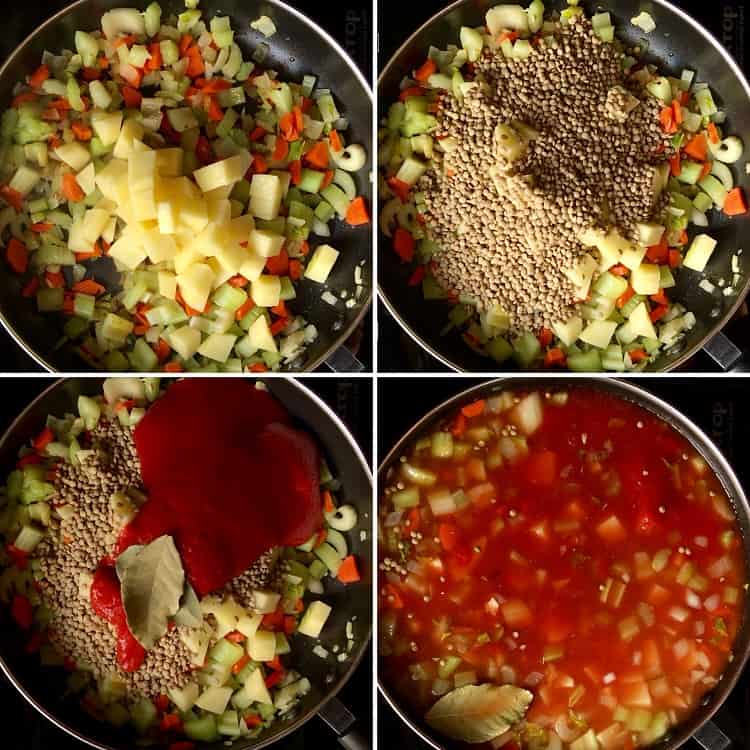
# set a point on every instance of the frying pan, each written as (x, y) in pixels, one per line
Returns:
(300, 47)
(679, 42)
(698, 725)
(42, 686)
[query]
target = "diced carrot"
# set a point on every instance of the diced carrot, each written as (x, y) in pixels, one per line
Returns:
(43, 439)
(260, 166)
(41, 227)
(327, 179)
(61, 104)
(203, 150)
(215, 112)
(195, 66)
(305, 248)
(252, 721)
(625, 296)
(52, 115)
(11, 197)
(306, 105)
(103, 62)
(238, 282)
(317, 156)
(88, 286)
(244, 309)
(295, 170)
(348, 571)
(31, 287)
(638, 355)
(619, 270)
(173, 367)
(697, 147)
(658, 313)
(278, 326)
(54, 280)
(133, 76)
(448, 535)
(299, 120)
(554, 357)
(660, 298)
(235, 637)
(22, 612)
(736, 203)
(410, 92)
(677, 111)
(675, 259)
(281, 150)
(155, 61)
(335, 140)
(658, 253)
(666, 118)
(404, 245)
(162, 350)
(295, 270)
(357, 213)
(280, 310)
(91, 74)
(127, 40)
(185, 42)
(278, 265)
(213, 86)
(71, 189)
(288, 127)
(17, 255)
(459, 426)
(713, 133)
(707, 167)
(81, 132)
(39, 76)
(683, 238)
(328, 504)
(399, 188)
(545, 337)
(508, 36)
(417, 276)
(474, 409)
(24, 99)
(675, 165)
(257, 134)
(541, 468)
(131, 97)
(422, 73)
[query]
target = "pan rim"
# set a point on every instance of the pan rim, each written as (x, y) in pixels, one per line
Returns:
(645, 399)
(365, 307)
(301, 720)
(719, 324)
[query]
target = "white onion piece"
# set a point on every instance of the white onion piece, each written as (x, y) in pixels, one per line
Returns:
(393, 519)
(533, 679)
(565, 732)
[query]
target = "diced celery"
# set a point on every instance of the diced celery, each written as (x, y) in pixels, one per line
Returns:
(50, 300)
(499, 349)
(83, 306)
(585, 362)
(202, 729)
(188, 19)
(73, 91)
(170, 53)
(327, 108)
(142, 357)
(87, 47)
(526, 349)
(311, 182)
(229, 297)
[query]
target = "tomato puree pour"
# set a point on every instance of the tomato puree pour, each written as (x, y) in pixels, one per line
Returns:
(226, 475)
(571, 543)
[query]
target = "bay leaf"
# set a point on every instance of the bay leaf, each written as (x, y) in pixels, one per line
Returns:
(152, 586)
(126, 558)
(189, 614)
(479, 713)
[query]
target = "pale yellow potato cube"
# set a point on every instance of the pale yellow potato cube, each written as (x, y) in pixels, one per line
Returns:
(219, 211)
(218, 346)
(646, 279)
(159, 247)
(239, 229)
(169, 162)
(187, 257)
(700, 252)
(598, 333)
(109, 231)
(259, 337)
(195, 284)
(219, 194)
(265, 196)
(266, 243)
(321, 264)
(194, 215)
(266, 291)
(167, 217)
(285, 178)
(221, 273)
(86, 178)
(139, 146)
(167, 284)
(130, 132)
(633, 256)
(75, 155)
(253, 266)
(231, 256)
(107, 126)
(209, 241)
(77, 242)
(94, 222)
(128, 252)
(185, 341)
(222, 173)
(142, 171)
(112, 180)
(143, 205)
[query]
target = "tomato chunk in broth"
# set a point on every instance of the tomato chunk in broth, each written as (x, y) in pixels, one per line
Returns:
(571, 543)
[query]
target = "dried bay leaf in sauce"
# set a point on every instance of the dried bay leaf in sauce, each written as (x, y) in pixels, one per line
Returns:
(126, 558)
(479, 713)
(152, 585)
(189, 614)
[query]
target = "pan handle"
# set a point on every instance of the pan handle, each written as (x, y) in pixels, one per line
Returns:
(710, 737)
(723, 351)
(342, 360)
(342, 720)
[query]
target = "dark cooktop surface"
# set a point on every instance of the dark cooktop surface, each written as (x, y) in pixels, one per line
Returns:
(726, 19)
(349, 22)
(719, 406)
(24, 729)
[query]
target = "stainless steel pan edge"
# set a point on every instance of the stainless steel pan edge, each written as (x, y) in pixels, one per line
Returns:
(37, 334)
(347, 461)
(697, 725)
(702, 52)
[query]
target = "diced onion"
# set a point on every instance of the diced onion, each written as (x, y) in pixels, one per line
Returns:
(693, 600)
(681, 649)
(679, 614)
(393, 519)
(712, 603)
(720, 568)
(533, 679)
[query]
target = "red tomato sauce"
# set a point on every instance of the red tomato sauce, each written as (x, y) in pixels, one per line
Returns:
(227, 476)
(593, 559)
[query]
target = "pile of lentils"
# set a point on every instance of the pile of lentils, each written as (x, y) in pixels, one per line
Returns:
(91, 494)
(508, 229)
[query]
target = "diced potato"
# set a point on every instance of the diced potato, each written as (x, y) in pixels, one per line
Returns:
(214, 699)
(507, 18)
(166, 216)
(238, 230)
(582, 275)
(187, 257)
(167, 284)
(265, 243)
(266, 291)
(633, 256)
(75, 155)
(259, 338)
(261, 646)
(265, 196)
(209, 241)
(131, 131)
(598, 333)
(650, 234)
(255, 688)
(253, 265)
(159, 247)
(76, 239)
(248, 624)
(142, 171)
(94, 222)
(314, 619)
(700, 252)
(86, 178)
(265, 602)
(143, 205)
(194, 215)
(107, 126)
(219, 211)
(218, 346)
(128, 251)
(321, 264)
(232, 256)
(225, 172)
(112, 180)
(195, 284)
(640, 322)
(569, 331)
(109, 231)
(186, 697)
(221, 274)
(219, 194)
(612, 530)
(645, 279)
(528, 414)
(185, 341)
(169, 162)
